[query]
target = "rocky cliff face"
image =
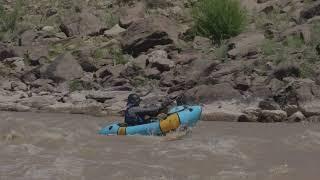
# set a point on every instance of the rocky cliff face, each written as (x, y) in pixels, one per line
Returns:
(87, 56)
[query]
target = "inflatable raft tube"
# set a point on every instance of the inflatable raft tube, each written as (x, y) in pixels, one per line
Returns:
(186, 116)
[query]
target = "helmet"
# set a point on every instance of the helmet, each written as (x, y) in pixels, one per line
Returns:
(134, 99)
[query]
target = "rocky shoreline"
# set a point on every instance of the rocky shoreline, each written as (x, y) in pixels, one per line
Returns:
(76, 61)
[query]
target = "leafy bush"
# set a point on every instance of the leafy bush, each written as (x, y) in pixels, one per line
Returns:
(75, 85)
(8, 20)
(111, 19)
(222, 52)
(219, 19)
(294, 42)
(118, 56)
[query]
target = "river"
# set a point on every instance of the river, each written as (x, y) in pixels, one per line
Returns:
(44, 146)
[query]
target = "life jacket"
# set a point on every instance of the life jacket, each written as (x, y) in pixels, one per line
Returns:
(133, 119)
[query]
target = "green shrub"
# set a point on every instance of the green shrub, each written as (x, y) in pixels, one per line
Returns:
(111, 19)
(75, 85)
(268, 47)
(222, 52)
(277, 20)
(8, 20)
(219, 19)
(293, 42)
(118, 56)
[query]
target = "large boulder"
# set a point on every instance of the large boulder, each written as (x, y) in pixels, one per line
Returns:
(311, 11)
(296, 117)
(6, 52)
(83, 56)
(65, 67)
(245, 44)
(130, 14)
(211, 93)
(36, 52)
(148, 33)
(83, 23)
(31, 75)
(100, 96)
(304, 93)
(272, 116)
(114, 31)
(16, 65)
(159, 59)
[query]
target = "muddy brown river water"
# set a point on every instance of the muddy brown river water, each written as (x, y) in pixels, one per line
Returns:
(37, 146)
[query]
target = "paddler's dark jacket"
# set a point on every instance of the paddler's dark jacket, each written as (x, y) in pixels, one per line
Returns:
(135, 115)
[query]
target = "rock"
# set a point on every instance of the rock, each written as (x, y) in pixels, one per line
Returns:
(16, 64)
(211, 93)
(83, 56)
(103, 72)
(250, 115)
(158, 4)
(141, 61)
(275, 85)
(152, 73)
(119, 82)
(48, 28)
(35, 53)
(6, 52)
(63, 68)
(117, 70)
(186, 57)
(86, 107)
(202, 43)
(83, 23)
(131, 71)
(304, 31)
(100, 96)
(41, 83)
(31, 75)
(159, 59)
(51, 12)
(314, 119)
(262, 1)
(148, 33)
(296, 117)
(318, 49)
(14, 86)
(19, 86)
(310, 108)
(114, 31)
(291, 109)
(259, 87)
(28, 37)
(38, 102)
(311, 11)
(128, 15)
(228, 68)
(247, 118)
(75, 97)
(298, 92)
(272, 116)
(9, 106)
(6, 85)
(110, 71)
(269, 105)
(245, 44)
(222, 115)
(242, 81)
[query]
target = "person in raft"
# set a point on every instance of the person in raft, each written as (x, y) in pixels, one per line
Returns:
(136, 115)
